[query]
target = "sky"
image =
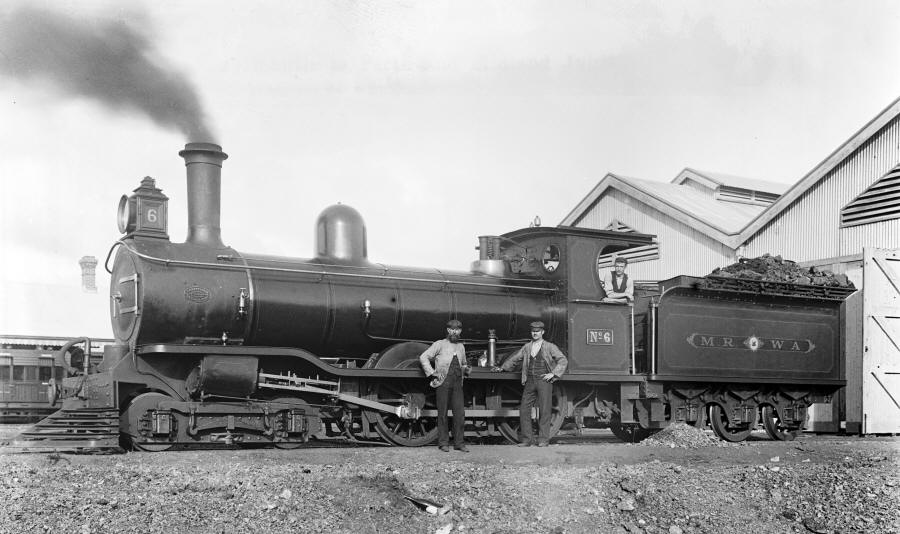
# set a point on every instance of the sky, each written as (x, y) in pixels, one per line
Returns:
(438, 121)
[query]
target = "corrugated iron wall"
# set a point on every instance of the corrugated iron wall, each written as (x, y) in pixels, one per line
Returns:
(682, 250)
(809, 229)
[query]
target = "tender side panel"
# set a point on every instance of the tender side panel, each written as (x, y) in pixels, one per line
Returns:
(705, 336)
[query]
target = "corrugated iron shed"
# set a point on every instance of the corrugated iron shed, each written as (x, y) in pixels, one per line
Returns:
(742, 182)
(806, 220)
(719, 219)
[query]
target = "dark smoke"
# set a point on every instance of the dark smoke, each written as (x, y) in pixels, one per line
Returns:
(109, 61)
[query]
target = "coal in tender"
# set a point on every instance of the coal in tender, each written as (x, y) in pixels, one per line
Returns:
(770, 268)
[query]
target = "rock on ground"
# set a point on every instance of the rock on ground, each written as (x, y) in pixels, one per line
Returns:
(826, 485)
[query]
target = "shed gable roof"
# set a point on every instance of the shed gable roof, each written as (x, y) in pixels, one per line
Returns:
(716, 219)
(819, 172)
(714, 180)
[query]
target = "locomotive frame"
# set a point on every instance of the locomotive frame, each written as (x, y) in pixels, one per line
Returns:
(216, 347)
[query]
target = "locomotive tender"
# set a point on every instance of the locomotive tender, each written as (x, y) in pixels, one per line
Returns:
(215, 346)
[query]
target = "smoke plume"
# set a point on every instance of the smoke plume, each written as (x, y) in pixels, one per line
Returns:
(109, 61)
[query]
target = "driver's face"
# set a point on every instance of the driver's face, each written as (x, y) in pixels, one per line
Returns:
(537, 334)
(620, 268)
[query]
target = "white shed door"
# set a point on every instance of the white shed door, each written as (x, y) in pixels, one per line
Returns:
(881, 341)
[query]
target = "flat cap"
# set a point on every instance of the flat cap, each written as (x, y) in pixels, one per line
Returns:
(453, 323)
(621, 259)
(537, 325)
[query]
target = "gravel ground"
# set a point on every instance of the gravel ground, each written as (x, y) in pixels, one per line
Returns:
(681, 482)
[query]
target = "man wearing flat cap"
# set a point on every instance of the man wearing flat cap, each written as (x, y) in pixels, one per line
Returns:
(447, 371)
(542, 364)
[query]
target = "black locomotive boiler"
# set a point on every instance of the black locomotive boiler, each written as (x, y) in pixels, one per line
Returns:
(215, 346)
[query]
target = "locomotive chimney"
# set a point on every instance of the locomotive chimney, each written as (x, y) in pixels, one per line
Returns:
(204, 188)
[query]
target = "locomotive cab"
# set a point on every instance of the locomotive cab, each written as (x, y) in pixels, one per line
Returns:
(595, 335)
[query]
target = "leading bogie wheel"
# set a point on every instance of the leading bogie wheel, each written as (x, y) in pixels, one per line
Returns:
(139, 420)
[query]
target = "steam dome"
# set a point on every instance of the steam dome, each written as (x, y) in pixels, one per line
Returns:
(341, 235)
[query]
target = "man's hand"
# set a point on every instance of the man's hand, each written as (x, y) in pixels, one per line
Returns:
(549, 377)
(496, 369)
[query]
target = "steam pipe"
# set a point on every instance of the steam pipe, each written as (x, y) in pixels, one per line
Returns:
(492, 348)
(204, 190)
(654, 311)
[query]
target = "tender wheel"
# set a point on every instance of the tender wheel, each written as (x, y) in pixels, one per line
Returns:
(140, 424)
(701, 420)
(510, 427)
(723, 427)
(774, 427)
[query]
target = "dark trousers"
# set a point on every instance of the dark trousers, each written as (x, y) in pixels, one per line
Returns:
(538, 393)
(451, 392)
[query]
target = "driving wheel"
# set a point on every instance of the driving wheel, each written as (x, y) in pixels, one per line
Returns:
(510, 427)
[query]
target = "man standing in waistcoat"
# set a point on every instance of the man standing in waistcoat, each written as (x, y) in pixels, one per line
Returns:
(450, 366)
(618, 286)
(542, 364)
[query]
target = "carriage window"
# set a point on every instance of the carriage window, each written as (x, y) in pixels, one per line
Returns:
(25, 372)
(4, 372)
(551, 258)
(45, 370)
(59, 372)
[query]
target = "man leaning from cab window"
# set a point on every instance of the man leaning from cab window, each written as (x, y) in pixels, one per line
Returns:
(618, 286)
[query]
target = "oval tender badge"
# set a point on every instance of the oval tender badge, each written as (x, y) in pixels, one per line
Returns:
(196, 294)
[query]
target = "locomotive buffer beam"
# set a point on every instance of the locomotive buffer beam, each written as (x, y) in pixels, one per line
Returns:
(327, 388)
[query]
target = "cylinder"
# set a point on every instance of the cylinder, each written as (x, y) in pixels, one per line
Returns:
(233, 376)
(204, 192)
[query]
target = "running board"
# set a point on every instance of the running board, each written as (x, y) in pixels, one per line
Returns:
(71, 431)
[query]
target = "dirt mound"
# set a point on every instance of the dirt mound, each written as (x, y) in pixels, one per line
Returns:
(776, 269)
(682, 435)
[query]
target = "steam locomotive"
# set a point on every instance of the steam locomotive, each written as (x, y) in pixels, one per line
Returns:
(214, 346)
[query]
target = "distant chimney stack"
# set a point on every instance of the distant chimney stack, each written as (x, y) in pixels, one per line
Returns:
(88, 274)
